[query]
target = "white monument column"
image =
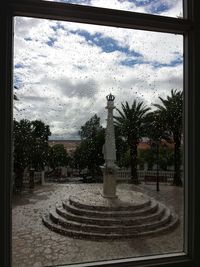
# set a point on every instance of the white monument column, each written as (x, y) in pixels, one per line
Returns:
(109, 150)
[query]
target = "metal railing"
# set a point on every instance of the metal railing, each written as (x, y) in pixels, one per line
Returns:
(125, 174)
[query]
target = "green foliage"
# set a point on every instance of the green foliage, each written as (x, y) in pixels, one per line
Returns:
(122, 153)
(147, 156)
(131, 121)
(130, 124)
(165, 157)
(91, 128)
(89, 153)
(156, 127)
(125, 159)
(40, 134)
(171, 112)
(30, 146)
(58, 156)
(22, 144)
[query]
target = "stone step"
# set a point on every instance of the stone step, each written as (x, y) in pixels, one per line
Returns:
(135, 220)
(109, 214)
(115, 229)
(104, 236)
(111, 206)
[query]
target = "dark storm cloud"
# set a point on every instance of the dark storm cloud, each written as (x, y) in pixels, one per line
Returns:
(80, 89)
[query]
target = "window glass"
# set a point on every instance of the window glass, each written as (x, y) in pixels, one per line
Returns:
(156, 7)
(67, 207)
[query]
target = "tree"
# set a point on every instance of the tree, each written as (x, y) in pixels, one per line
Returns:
(82, 156)
(147, 156)
(22, 150)
(155, 131)
(131, 124)
(30, 147)
(91, 128)
(58, 156)
(171, 110)
(125, 159)
(122, 150)
(166, 158)
(40, 134)
(89, 153)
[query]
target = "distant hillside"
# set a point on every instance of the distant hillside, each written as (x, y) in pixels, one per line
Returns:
(69, 145)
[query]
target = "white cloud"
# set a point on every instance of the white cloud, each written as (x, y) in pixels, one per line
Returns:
(161, 7)
(66, 83)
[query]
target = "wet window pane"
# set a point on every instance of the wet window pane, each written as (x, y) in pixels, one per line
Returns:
(98, 143)
(156, 7)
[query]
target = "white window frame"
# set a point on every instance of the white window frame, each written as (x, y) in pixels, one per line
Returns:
(189, 26)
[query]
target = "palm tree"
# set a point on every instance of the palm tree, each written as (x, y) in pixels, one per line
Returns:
(156, 131)
(171, 111)
(130, 123)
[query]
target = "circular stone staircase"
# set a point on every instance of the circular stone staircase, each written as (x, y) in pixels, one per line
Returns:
(88, 215)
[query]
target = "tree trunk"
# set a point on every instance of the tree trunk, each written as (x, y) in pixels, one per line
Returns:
(133, 154)
(177, 161)
(19, 174)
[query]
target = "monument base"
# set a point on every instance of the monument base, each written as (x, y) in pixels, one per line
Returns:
(109, 196)
(109, 183)
(88, 215)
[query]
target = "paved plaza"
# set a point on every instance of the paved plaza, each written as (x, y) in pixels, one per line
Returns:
(34, 245)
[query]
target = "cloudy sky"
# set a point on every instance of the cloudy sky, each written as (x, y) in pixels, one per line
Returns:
(63, 71)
